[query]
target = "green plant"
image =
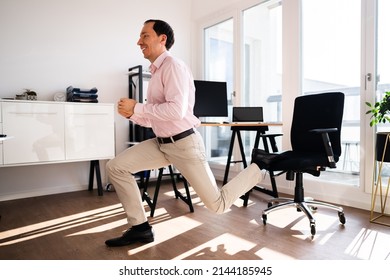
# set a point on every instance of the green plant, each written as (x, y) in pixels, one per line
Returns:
(380, 110)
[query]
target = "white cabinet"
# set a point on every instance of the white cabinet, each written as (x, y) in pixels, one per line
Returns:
(1, 142)
(89, 131)
(50, 132)
(37, 130)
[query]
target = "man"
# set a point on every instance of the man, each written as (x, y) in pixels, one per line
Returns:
(169, 112)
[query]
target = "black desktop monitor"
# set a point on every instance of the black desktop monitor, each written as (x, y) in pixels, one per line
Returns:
(210, 99)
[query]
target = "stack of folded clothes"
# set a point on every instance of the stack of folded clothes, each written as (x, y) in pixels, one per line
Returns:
(81, 95)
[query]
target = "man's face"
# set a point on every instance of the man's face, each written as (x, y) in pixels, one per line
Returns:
(151, 44)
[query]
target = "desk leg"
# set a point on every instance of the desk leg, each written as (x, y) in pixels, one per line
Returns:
(243, 158)
(244, 197)
(229, 158)
(274, 191)
(95, 167)
(273, 144)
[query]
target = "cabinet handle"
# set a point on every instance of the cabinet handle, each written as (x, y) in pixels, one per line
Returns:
(90, 114)
(33, 113)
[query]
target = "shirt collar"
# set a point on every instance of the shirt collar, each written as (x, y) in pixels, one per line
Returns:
(158, 62)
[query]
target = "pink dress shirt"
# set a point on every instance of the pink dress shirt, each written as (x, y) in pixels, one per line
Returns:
(170, 98)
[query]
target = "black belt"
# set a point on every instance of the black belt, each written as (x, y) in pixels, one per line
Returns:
(172, 139)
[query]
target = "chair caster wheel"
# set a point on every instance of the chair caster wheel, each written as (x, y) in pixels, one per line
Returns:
(109, 187)
(264, 219)
(341, 217)
(313, 229)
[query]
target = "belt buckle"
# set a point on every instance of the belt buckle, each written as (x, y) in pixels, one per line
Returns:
(172, 140)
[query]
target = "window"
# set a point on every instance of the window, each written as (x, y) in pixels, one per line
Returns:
(262, 62)
(259, 82)
(383, 54)
(219, 67)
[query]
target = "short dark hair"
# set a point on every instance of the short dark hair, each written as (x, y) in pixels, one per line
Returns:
(161, 27)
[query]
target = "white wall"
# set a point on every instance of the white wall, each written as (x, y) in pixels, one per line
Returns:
(48, 45)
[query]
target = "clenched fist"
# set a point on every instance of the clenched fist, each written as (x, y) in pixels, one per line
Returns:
(126, 107)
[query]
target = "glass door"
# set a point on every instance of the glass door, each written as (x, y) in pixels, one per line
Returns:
(219, 66)
(380, 76)
(262, 63)
(331, 51)
(245, 51)
(383, 54)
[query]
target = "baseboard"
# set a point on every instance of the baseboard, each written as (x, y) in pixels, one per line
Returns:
(41, 192)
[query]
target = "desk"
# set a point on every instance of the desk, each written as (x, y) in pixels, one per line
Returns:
(261, 129)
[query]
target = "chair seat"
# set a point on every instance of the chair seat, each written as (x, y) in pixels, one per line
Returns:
(293, 160)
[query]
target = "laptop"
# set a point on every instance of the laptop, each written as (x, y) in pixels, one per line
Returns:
(247, 115)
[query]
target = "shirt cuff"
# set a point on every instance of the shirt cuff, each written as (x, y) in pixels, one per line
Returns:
(139, 108)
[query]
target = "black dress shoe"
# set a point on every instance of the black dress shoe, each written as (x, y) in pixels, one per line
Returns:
(132, 236)
(263, 159)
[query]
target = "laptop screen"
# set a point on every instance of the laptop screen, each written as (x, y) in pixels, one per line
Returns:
(247, 114)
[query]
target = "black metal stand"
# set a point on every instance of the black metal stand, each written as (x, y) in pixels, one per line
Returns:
(153, 202)
(95, 167)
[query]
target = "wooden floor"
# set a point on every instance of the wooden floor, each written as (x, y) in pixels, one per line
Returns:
(74, 226)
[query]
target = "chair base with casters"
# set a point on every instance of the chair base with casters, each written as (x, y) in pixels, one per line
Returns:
(301, 203)
(144, 181)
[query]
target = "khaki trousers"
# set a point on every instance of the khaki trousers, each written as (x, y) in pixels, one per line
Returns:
(188, 156)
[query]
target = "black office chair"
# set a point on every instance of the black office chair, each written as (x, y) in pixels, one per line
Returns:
(315, 141)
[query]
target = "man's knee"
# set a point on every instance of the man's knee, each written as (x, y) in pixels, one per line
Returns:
(109, 165)
(217, 208)
(112, 166)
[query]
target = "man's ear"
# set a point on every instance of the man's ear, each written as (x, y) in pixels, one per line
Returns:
(163, 39)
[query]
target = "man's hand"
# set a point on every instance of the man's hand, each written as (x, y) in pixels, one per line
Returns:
(126, 107)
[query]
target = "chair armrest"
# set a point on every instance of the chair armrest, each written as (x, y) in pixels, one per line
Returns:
(328, 145)
(322, 130)
(271, 135)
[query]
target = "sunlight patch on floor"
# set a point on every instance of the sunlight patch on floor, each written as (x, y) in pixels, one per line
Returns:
(194, 198)
(326, 237)
(101, 228)
(239, 203)
(168, 230)
(370, 245)
(282, 218)
(290, 218)
(227, 243)
(269, 254)
(59, 224)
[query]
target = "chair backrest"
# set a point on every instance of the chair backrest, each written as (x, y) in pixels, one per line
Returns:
(324, 110)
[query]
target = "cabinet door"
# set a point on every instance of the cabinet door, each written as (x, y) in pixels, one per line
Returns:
(89, 131)
(1, 132)
(37, 130)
